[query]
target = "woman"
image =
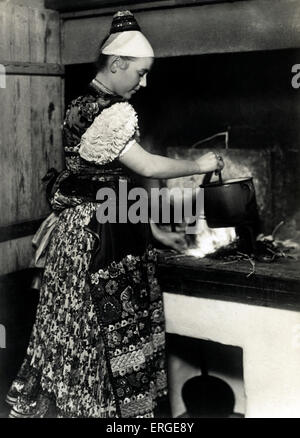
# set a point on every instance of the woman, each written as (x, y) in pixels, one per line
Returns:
(97, 345)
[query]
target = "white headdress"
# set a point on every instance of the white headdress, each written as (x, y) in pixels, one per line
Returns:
(126, 39)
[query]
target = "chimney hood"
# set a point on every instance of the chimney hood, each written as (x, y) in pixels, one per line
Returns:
(185, 27)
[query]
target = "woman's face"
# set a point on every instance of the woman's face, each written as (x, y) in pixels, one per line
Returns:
(128, 80)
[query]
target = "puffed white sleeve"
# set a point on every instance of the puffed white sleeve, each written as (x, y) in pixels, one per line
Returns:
(110, 135)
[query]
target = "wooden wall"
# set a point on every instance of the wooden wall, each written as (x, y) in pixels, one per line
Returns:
(31, 97)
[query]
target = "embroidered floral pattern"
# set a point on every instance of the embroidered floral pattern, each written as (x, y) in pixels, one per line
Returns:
(128, 303)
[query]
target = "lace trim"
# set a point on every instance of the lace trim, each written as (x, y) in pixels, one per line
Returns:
(109, 133)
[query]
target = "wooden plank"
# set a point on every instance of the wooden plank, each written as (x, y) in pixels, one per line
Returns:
(33, 68)
(22, 229)
(14, 32)
(139, 7)
(20, 161)
(32, 143)
(44, 36)
(83, 5)
(194, 30)
(77, 5)
(46, 139)
(5, 24)
(28, 34)
(8, 152)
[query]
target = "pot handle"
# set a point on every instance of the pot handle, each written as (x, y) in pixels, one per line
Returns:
(248, 186)
(207, 178)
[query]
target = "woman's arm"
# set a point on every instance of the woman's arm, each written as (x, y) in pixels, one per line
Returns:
(157, 166)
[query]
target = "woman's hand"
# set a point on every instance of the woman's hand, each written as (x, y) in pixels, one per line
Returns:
(174, 240)
(210, 162)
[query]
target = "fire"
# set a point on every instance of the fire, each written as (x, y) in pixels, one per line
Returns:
(208, 240)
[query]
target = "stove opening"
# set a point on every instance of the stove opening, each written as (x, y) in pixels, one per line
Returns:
(205, 378)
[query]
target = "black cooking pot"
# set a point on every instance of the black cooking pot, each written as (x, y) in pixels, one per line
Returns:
(228, 203)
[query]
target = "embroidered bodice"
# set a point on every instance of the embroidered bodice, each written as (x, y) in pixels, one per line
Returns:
(98, 128)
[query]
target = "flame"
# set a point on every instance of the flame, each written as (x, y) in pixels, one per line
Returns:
(208, 240)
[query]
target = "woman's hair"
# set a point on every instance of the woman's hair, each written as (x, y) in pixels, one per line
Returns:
(102, 60)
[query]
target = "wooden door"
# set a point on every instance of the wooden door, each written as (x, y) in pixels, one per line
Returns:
(31, 95)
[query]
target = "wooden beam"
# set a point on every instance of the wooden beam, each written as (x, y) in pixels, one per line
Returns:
(22, 229)
(32, 68)
(80, 5)
(139, 7)
(75, 5)
(194, 30)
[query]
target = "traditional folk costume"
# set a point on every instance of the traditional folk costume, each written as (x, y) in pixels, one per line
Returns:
(97, 348)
